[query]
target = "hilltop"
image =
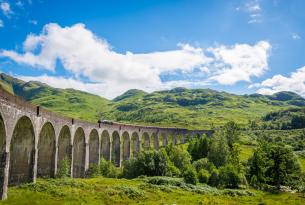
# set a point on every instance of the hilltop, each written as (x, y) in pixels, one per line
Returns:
(179, 107)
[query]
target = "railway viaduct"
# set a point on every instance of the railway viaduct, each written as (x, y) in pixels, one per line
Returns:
(34, 141)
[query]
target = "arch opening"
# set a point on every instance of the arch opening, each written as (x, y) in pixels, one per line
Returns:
(135, 144)
(145, 141)
(155, 141)
(46, 151)
(164, 140)
(22, 152)
(116, 151)
(79, 152)
(64, 146)
(93, 147)
(126, 146)
(105, 146)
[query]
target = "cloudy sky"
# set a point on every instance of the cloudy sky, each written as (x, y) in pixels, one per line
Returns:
(108, 47)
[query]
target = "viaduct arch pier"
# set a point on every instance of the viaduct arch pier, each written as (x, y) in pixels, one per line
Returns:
(34, 142)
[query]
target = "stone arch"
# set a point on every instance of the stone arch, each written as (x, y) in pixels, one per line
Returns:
(126, 146)
(46, 151)
(105, 145)
(174, 139)
(64, 146)
(116, 149)
(145, 141)
(154, 141)
(164, 139)
(93, 147)
(135, 144)
(22, 152)
(79, 153)
(2, 145)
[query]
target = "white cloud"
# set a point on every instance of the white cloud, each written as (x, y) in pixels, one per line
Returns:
(253, 9)
(295, 83)
(1, 23)
(6, 8)
(295, 36)
(82, 53)
(240, 62)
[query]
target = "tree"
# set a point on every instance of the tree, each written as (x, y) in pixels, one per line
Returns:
(199, 147)
(273, 164)
(219, 152)
(190, 175)
(231, 132)
(229, 176)
(180, 158)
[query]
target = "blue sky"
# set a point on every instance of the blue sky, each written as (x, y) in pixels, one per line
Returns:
(108, 47)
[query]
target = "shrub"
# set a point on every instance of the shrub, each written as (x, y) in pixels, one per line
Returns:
(203, 164)
(93, 171)
(64, 168)
(107, 169)
(229, 176)
(179, 157)
(190, 175)
(214, 179)
(203, 176)
(149, 163)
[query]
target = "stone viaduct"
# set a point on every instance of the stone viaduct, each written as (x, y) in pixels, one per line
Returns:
(34, 141)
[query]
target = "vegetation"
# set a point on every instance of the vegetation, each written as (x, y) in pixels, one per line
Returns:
(179, 107)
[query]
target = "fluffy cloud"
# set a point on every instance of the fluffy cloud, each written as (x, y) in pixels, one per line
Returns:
(6, 8)
(84, 54)
(240, 62)
(295, 83)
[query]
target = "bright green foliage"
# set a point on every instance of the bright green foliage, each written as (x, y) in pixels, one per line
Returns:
(107, 169)
(229, 176)
(199, 147)
(149, 163)
(190, 175)
(219, 151)
(273, 164)
(93, 171)
(180, 157)
(203, 164)
(64, 168)
(231, 132)
(203, 176)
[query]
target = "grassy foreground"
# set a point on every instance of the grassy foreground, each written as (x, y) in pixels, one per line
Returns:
(122, 191)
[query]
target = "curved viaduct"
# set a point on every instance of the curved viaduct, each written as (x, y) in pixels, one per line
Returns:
(34, 141)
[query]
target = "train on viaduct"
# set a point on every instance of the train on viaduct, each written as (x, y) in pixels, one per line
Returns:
(34, 142)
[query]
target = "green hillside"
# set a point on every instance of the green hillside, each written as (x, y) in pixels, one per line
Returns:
(179, 107)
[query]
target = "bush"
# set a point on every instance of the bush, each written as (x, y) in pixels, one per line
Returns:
(64, 168)
(203, 164)
(93, 171)
(229, 176)
(148, 163)
(214, 178)
(203, 176)
(107, 169)
(190, 175)
(179, 157)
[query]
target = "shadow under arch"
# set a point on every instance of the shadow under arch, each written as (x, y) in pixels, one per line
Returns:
(46, 151)
(79, 153)
(22, 152)
(64, 147)
(93, 147)
(105, 145)
(116, 151)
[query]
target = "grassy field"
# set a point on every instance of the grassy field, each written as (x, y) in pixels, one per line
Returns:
(122, 191)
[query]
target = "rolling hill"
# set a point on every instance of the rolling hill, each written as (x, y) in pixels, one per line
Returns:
(179, 107)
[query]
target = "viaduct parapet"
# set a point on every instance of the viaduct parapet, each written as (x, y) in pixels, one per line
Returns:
(34, 142)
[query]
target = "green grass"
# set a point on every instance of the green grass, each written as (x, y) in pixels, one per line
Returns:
(179, 107)
(122, 191)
